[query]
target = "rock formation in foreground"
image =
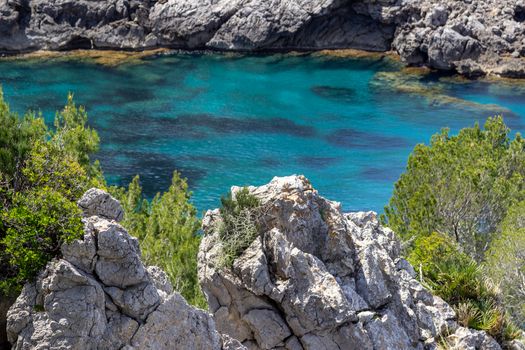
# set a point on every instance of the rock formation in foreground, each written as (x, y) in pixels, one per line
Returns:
(472, 37)
(318, 279)
(101, 296)
(315, 279)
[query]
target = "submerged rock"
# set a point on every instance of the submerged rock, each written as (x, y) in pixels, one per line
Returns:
(317, 278)
(101, 296)
(472, 37)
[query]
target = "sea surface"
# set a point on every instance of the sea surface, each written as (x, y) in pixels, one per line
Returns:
(347, 124)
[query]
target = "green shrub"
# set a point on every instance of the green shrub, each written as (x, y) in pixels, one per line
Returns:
(38, 221)
(42, 174)
(17, 136)
(506, 262)
(238, 227)
(460, 281)
(167, 229)
(460, 186)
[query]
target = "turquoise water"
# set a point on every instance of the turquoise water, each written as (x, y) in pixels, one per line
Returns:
(222, 120)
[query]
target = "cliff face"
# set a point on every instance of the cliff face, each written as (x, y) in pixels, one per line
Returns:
(473, 37)
(314, 279)
(101, 296)
(320, 279)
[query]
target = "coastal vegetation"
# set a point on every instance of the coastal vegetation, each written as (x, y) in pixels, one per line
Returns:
(238, 226)
(458, 208)
(44, 171)
(167, 228)
(506, 262)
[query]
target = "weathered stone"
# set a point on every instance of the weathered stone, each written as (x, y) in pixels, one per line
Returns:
(137, 301)
(176, 325)
(160, 279)
(472, 37)
(316, 278)
(292, 288)
(386, 332)
(64, 309)
(100, 203)
(269, 328)
(82, 253)
(118, 263)
(470, 339)
(100, 295)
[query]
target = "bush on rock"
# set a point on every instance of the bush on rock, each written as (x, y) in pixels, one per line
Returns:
(42, 174)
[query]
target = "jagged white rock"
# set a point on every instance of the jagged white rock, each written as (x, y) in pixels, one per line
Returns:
(316, 278)
(100, 295)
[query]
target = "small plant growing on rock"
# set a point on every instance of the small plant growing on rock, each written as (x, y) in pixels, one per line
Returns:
(239, 226)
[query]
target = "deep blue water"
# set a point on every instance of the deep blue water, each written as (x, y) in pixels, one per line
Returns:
(222, 120)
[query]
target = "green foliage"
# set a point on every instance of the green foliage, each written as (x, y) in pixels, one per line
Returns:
(458, 279)
(506, 262)
(238, 227)
(38, 221)
(167, 229)
(460, 186)
(42, 174)
(17, 136)
(73, 136)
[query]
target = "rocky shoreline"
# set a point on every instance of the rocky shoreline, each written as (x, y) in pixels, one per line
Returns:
(474, 38)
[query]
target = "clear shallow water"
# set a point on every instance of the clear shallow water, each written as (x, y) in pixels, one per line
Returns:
(348, 125)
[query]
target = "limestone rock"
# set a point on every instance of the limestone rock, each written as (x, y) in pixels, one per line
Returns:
(316, 278)
(469, 339)
(472, 37)
(99, 203)
(100, 295)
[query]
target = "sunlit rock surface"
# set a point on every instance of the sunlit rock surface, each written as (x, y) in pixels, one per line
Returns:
(317, 278)
(101, 296)
(472, 37)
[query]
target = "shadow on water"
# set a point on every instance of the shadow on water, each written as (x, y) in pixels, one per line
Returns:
(350, 138)
(317, 162)
(199, 126)
(155, 169)
(269, 162)
(381, 174)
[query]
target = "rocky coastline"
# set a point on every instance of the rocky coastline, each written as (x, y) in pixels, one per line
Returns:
(316, 278)
(474, 38)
